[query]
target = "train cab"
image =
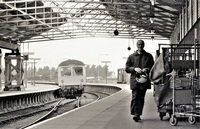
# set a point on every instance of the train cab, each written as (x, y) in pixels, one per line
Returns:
(71, 72)
(122, 76)
(72, 78)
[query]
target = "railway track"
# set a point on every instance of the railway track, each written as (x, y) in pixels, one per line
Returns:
(45, 116)
(45, 112)
(9, 116)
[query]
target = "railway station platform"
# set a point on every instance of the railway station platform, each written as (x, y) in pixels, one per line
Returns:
(32, 95)
(113, 112)
(30, 89)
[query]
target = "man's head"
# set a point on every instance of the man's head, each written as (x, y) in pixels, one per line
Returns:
(140, 45)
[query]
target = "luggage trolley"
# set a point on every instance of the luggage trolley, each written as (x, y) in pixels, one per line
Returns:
(183, 101)
(184, 82)
(178, 90)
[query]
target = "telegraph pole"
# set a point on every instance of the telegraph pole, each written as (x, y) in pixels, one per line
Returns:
(34, 59)
(106, 62)
(26, 58)
(98, 72)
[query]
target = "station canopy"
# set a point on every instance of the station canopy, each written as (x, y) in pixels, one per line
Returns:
(24, 21)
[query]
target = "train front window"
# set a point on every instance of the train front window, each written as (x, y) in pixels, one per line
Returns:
(65, 71)
(77, 71)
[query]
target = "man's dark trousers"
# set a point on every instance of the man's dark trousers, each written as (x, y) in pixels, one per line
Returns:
(137, 102)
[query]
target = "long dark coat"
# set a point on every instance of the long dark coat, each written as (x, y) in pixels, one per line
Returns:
(144, 60)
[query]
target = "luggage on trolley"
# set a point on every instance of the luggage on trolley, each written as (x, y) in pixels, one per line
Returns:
(177, 90)
(184, 101)
(163, 98)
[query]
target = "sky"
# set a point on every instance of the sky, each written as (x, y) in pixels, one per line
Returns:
(88, 50)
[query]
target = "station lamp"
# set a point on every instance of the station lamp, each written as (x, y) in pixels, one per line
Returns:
(153, 2)
(152, 37)
(153, 30)
(152, 20)
(116, 32)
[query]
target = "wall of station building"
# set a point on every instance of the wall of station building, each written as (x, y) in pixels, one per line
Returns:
(193, 37)
(187, 29)
(189, 19)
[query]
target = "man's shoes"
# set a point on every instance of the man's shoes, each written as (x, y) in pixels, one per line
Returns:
(135, 118)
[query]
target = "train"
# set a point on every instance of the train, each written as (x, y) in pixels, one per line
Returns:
(122, 76)
(71, 78)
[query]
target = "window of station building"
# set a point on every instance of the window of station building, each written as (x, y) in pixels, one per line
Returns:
(65, 71)
(77, 71)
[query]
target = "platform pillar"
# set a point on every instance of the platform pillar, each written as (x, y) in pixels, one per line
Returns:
(13, 71)
(20, 102)
(0, 71)
(1, 105)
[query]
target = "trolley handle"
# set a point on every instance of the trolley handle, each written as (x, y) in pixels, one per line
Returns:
(173, 73)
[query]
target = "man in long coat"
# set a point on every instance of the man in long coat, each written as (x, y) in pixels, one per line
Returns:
(139, 65)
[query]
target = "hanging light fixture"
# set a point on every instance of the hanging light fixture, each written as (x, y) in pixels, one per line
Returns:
(153, 2)
(152, 15)
(152, 20)
(129, 48)
(152, 37)
(152, 30)
(116, 32)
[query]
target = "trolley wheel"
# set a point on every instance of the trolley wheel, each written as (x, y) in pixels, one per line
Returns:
(173, 121)
(192, 120)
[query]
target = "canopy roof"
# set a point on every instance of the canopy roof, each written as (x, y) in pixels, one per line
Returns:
(36, 21)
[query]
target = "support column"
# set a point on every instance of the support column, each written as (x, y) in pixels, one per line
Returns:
(1, 105)
(13, 71)
(26, 101)
(0, 71)
(20, 102)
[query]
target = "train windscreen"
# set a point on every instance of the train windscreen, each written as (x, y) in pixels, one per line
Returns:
(65, 71)
(78, 71)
